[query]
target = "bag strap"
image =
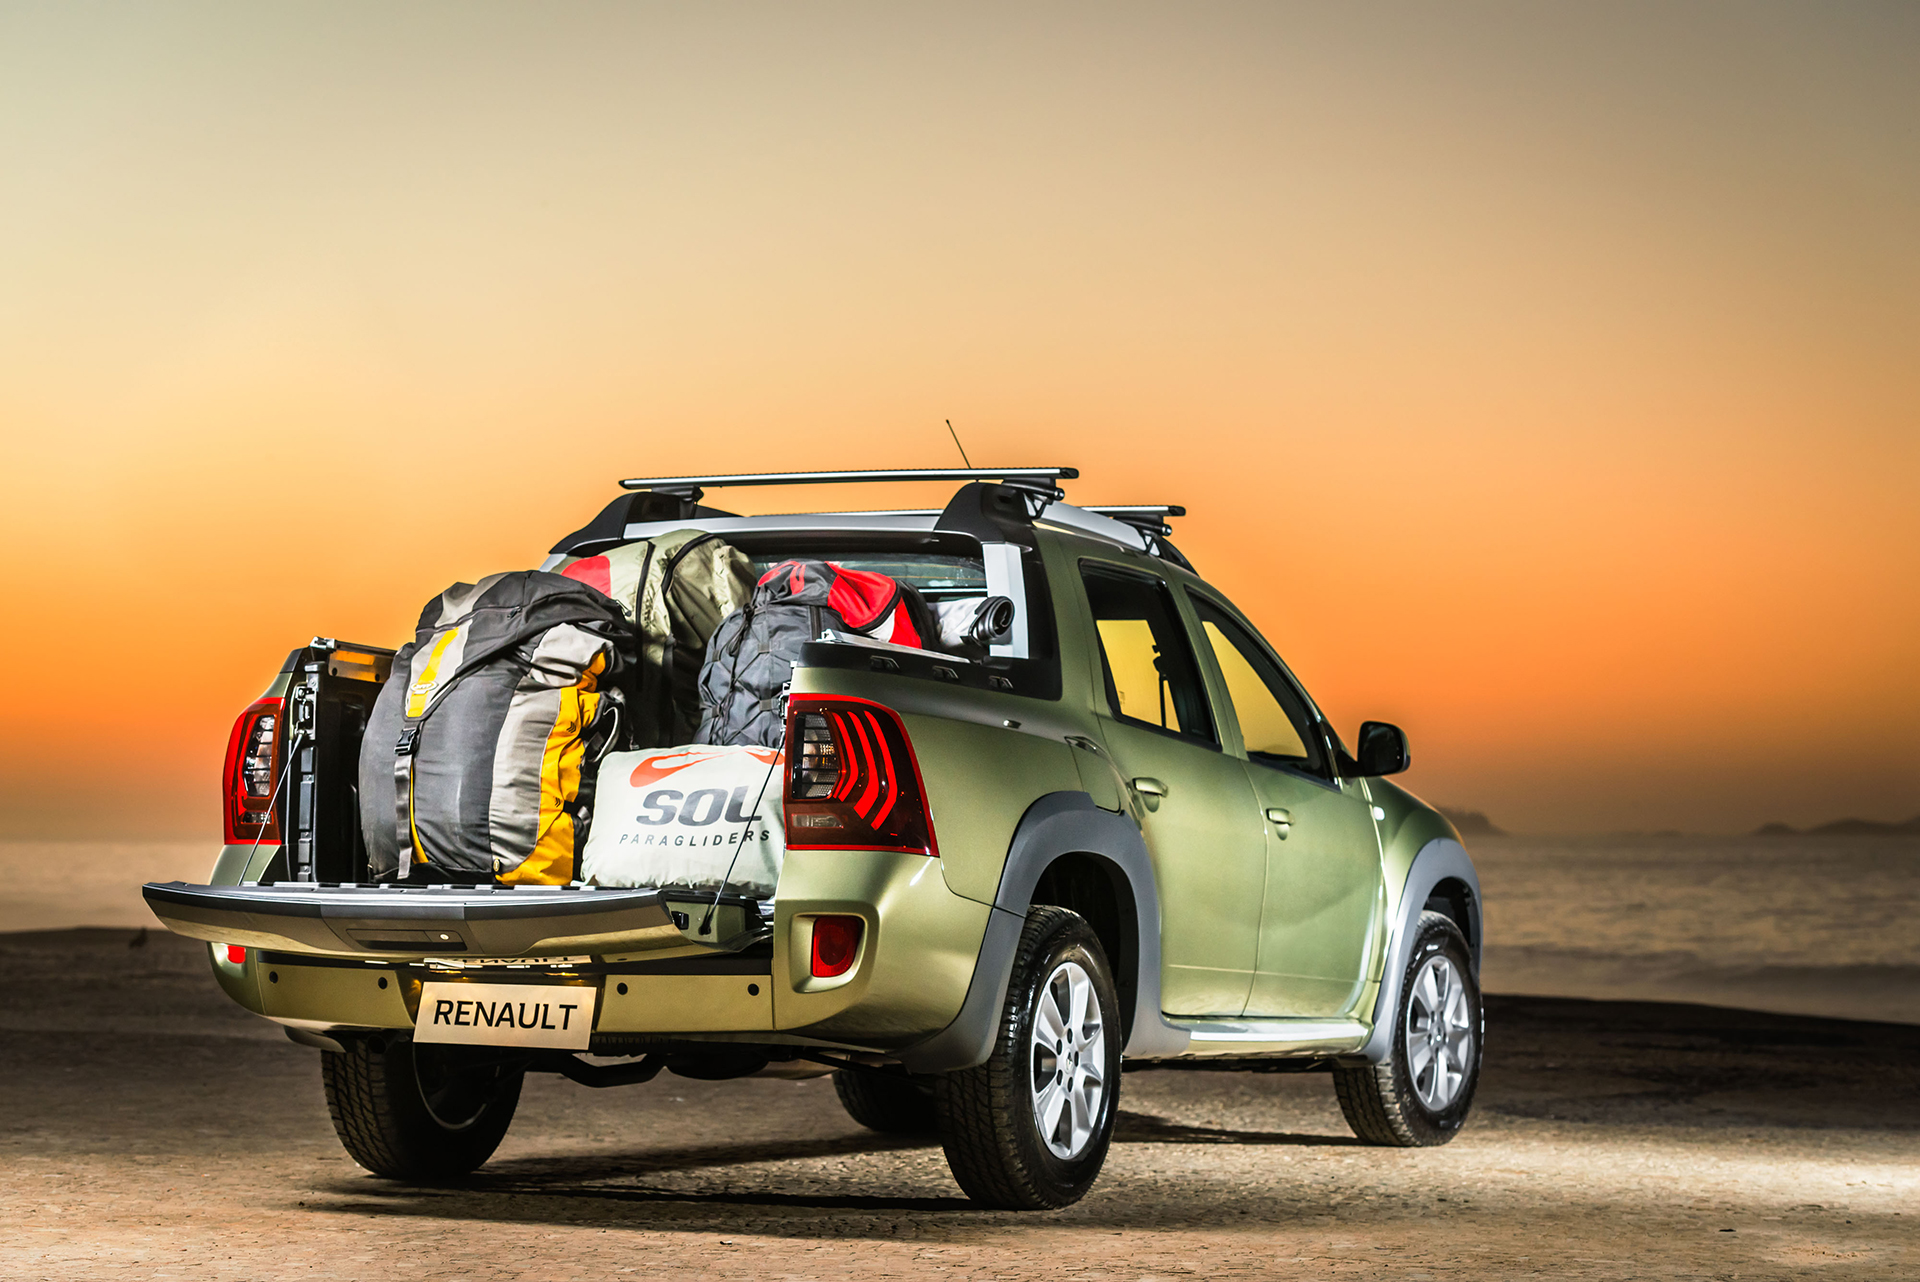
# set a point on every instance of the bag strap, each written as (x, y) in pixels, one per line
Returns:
(672, 648)
(639, 625)
(403, 792)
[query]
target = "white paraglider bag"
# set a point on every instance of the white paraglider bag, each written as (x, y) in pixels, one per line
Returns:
(703, 817)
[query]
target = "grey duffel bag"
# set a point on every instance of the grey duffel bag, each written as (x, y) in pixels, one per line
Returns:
(751, 656)
(478, 759)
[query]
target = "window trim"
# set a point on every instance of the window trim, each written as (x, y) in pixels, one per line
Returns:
(1180, 609)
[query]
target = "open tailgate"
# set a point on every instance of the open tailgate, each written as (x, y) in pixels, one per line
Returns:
(421, 921)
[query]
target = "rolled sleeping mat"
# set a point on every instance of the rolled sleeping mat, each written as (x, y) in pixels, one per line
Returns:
(974, 622)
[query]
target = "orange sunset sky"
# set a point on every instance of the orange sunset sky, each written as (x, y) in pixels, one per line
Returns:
(1546, 380)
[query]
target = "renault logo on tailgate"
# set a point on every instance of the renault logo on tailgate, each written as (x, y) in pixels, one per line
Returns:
(506, 1015)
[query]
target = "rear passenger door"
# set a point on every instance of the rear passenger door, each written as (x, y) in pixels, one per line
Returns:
(1323, 876)
(1194, 803)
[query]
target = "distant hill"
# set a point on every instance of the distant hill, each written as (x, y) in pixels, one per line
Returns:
(1844, 828)
(1471, 823)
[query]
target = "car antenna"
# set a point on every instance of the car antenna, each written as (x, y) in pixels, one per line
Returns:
(957, 445)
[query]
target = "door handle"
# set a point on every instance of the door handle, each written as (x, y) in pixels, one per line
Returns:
(1282, 821)
(1149, 787)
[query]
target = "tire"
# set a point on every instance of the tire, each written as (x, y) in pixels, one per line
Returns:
(990, 1115)
(890, 1105)
(409, 1112)
(1421, 1094)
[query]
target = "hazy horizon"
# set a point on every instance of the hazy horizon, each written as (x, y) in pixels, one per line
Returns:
(1814, 926)
(1540, 379)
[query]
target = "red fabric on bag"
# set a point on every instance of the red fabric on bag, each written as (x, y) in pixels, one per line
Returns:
(861, 596)
(900, 629)
(594, 571)
(866, 601)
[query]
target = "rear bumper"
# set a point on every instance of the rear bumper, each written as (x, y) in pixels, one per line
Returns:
(728, 997)
(309, 963)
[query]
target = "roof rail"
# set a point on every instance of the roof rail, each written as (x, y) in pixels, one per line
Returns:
(691, 486)
(1150, 517)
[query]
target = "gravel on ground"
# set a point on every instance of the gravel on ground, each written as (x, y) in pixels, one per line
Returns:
(153, 1130)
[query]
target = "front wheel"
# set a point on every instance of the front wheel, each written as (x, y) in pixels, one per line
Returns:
(1029, 1129)
(1421, 1093)
(413, 1112)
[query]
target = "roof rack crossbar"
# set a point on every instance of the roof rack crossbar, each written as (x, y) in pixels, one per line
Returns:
(687, 484)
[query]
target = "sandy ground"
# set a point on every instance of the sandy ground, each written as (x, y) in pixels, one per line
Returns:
(152, 1130)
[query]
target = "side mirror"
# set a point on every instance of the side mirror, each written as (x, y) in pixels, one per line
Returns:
(1382, 749)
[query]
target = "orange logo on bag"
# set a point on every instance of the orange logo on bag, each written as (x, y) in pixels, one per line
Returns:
(654, 769)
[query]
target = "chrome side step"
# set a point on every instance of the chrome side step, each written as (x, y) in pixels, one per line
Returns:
(1277, 1037)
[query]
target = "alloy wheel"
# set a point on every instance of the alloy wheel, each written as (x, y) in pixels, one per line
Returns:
(1068, 1062)
(1439, 1033)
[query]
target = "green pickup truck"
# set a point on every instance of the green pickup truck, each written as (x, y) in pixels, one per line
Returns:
(1127, 833)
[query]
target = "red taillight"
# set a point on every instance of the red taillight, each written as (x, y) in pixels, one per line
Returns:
(252, 773)
(836, 942)
(852, 782)
(237, 954)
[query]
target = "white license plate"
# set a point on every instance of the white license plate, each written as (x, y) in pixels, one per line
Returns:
(506, 1015)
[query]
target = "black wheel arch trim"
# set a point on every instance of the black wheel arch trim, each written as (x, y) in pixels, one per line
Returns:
(1058, 825)
(1440, 860)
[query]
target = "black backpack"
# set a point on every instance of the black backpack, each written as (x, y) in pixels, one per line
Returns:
(751, 656)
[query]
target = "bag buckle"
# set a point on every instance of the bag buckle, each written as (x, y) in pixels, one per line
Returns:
(408, 737)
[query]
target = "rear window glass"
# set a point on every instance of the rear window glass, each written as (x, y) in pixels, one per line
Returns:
(937, 576)
(943, 568)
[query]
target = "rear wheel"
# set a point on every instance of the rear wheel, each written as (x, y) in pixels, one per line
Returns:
(889, 1104)
(1029, 1128)
(413, 1112)
(1421, 1093)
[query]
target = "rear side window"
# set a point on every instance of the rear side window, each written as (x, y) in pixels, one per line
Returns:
(1273, 717)
(1151, 676)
